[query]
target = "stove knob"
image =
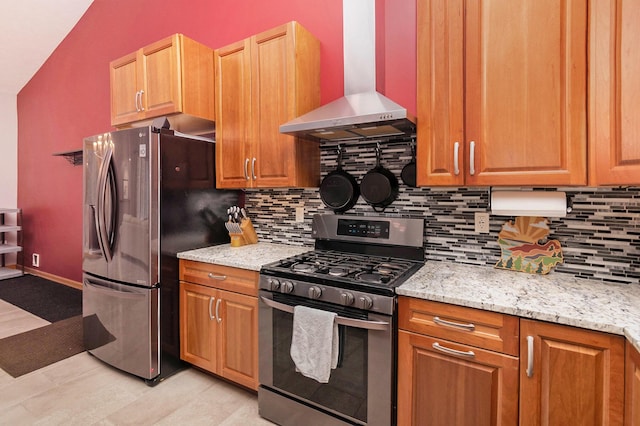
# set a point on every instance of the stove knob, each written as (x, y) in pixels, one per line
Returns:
(274, 284)
(347, 299)
(365, 302)
(315, 292)
(286, 287)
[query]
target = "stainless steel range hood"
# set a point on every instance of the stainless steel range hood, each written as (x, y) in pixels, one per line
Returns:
(362, 112)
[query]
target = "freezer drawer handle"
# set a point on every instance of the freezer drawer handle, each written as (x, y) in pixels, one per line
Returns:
(349, 322)
(217, 277)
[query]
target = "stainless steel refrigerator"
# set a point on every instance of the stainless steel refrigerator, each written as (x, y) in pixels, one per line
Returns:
(148, 194)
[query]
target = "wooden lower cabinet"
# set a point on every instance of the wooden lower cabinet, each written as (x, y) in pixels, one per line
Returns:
(219, 328)
(476, 387)
(570, 376)
(632, 386)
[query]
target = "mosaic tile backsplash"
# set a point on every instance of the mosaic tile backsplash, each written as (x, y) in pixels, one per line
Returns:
(600, 237)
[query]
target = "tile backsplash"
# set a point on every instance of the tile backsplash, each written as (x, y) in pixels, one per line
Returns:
(600, 237)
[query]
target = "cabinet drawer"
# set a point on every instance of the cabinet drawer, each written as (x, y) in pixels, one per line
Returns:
(475, 327)
(222, 277)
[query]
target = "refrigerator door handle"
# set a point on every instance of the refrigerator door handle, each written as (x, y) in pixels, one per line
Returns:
(106, 187)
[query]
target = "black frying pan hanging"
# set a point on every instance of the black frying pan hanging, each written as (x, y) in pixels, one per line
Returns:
(339, 190)
(408, 173)
(379, 187)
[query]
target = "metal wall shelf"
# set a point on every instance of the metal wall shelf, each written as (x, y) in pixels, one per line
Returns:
(74, 157)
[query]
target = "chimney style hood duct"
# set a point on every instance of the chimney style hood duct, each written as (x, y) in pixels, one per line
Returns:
(362, 113)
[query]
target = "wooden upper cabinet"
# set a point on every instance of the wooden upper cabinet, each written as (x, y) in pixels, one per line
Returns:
(172, 75)
(261, 83)
(614, 127)
(502, 92)
(575, 377)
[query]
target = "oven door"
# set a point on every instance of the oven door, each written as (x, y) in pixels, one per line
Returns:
(361, 390)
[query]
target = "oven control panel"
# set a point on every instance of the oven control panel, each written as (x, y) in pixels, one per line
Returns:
(363, 228)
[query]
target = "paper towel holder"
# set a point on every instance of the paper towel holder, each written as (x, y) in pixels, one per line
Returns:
(529, 203)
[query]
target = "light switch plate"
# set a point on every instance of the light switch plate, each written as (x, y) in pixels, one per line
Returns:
(299, 214)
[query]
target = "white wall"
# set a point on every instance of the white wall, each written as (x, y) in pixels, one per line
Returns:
(8, 150)
(9, 159)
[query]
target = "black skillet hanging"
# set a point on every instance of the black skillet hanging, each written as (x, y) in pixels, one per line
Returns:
(379, 187)
(408, 173)
(339, 190)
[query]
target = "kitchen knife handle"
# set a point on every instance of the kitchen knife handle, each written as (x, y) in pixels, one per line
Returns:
(472, 158)
(211, 299)
(217, 277)
(456, 163)
(466, 354)
(529, 356)
(246, 168)
(253, 168)
(218, 311)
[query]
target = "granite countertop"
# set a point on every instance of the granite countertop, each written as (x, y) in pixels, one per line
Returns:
(556, 297)
(251, 256)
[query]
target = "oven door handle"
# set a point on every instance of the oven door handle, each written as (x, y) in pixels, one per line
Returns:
(348, 322)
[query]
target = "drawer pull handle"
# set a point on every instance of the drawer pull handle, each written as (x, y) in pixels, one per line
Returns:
(211, 299)
(466, 354)
(529, 356)
(217, 277)
(465, 327)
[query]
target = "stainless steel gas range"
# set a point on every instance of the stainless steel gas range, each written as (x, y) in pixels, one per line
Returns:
(353, 271)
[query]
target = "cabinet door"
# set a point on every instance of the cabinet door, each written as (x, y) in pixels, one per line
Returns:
(238, 343)
(440, 389)
(124, 74)
(233, 113)
(525, 75)
(161, 77)
(198, 326)
(632, 392)
(440, 56)
(614, 151)
(502, 92)
(577, 376)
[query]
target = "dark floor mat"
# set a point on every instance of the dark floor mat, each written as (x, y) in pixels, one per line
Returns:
(29, 351)
(46, 299)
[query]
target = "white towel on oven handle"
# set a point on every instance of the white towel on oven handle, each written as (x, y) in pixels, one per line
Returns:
(314, 343)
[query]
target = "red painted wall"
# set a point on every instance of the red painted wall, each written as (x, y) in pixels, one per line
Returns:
(68, 98)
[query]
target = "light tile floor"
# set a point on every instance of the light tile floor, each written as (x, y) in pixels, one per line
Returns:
(82, 390)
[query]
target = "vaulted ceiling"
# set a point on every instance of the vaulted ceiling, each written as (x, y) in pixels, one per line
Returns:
(30, 30)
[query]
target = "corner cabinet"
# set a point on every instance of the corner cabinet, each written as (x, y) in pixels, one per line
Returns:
(7, 247)
(614, 151)
(501, 92)
(219, 320)
(570, 375)
(172, 75)
(263, 82)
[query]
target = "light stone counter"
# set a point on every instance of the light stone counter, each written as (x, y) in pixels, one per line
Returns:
(556, 297)
(250, 257)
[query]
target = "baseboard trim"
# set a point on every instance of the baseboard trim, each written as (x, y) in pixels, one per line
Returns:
(61, 280)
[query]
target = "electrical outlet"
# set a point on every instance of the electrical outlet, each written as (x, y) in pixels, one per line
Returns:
(482, 223)
(299, 214)
(35, 260)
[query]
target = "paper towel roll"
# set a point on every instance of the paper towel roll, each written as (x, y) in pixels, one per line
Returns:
(529, 203)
